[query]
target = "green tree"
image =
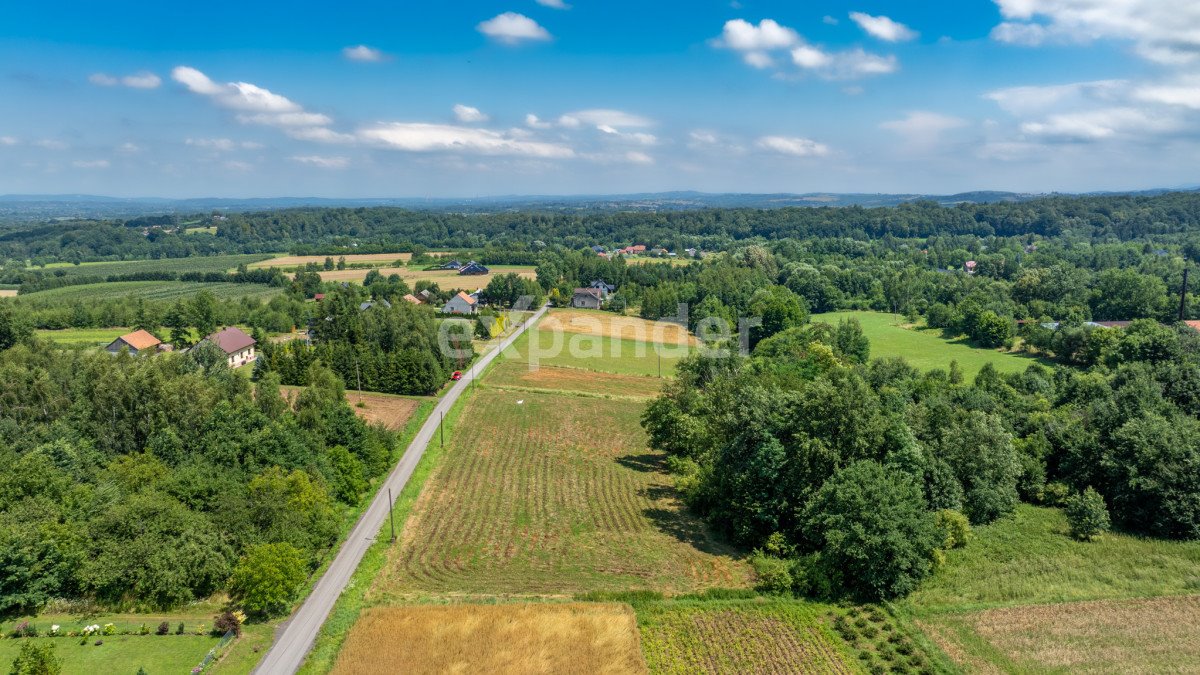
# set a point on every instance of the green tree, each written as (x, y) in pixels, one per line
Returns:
(14, 328)
(37, 657)
(266, 579)
(874, 532)
(203, 313)
(1087, 515)
(179, 323)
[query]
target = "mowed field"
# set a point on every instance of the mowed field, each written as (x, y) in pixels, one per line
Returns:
(926, 349)
(290, 261)
(597, 341)
(529, 638)
(741, 637)
(516, 375)
(445, 279)
(8, 292)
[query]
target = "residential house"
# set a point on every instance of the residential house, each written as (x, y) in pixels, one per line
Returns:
(412, 299)
(636, 249)
(450, 265)
(461, 304)
(473, 269)
(598, 249)
(139, 342)
(237, 345)
(604, 287)
(425, 295)
(587, 298)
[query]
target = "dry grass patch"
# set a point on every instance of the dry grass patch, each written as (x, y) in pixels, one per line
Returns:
(8, 292)
(537, 638)
(550, 495)
(513, 373)
(607, 324)
(391, 411)
(446, 279)
(1154, 635)
(352, 259)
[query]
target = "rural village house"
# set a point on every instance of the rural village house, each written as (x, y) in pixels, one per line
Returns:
(473, 269)
(237, 345)
(587, 298)
(461, 304)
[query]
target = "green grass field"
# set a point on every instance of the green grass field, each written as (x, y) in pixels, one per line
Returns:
(149, 290)
(83, 337)
(926, 349)
(214, 263)
(122, 653)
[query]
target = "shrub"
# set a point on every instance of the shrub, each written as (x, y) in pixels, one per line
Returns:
(24, 630)
(109, 629)
(164, 628)
(1055, 494)
(955, 526)
(179, 630)
(144, 630)
(267, 577)
(774, 574)
(1087, 515)
(37, 657)
(227, 621)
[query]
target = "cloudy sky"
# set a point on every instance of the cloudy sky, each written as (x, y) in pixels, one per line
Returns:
(239, 99)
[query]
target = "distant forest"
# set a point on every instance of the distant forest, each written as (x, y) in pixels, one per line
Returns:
(323, 230)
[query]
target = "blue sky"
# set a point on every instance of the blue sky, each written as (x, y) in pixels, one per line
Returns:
(560, 96)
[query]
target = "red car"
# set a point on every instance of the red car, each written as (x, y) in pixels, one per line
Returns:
(456, 376)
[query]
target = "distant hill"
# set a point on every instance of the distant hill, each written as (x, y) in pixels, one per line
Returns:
(69, 206)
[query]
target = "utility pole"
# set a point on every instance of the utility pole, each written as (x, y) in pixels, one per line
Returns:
(442, 429)
(1183, 296)
(391, 515)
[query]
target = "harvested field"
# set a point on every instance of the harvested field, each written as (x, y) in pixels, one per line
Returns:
(288, 261)
(774, 637)
(517, 374)
(1155, 635)
(607, 324)
(596, 353)
(543, 494)
(445, 279)
(390, 411)
(538, 638)
(8, 292)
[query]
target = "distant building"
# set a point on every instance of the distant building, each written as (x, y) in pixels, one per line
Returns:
(139, 342)
(969, 266)
(237, 345)
(412, 299)
(473, 269)
(319, 297)
(461, 304)
(425, 295)
(604, 287)
(634, 250)
(587, 298)
(598, 249)
(368, 305)
(450, 265)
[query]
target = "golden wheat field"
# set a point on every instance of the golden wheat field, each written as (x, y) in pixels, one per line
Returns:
(532, 638)
(548, 495)
(514, 374)
(1154, 635)
(609, 325)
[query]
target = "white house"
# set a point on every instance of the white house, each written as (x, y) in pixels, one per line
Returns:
(461, 304)
(238, 347)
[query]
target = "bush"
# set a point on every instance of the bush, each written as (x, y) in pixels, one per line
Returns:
(163, 628)
(955, 526)
(144, 630)
(774, 574)
(37, 657)
(227, 621)
(1055, 494)
(1087, 515)
(267, 577)
(24, 630)
(179, 629)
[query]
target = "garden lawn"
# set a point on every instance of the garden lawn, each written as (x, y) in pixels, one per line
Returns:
(121, 653)
(924, 348)
(85, 337)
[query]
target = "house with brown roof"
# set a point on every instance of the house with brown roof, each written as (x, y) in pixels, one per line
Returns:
(412, 299)
(139, 342)
(461, 304)
(237, 345)
(587, 298)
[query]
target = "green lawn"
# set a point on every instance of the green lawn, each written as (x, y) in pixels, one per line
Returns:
(1029, 558)
(87, 337)
(926, 349)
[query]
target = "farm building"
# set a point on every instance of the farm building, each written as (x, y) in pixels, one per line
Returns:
(139, 342)
(473, 268)
(587, 298)
(425, 295)
(634, 250)
(237, 345)
(450, 265)
(461, 304)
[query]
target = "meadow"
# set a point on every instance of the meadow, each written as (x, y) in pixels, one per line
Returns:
(214, 263)
(445, 279)
(290, 262)
(149, 290)
(527, 638)
(926, 349)
(83, 337)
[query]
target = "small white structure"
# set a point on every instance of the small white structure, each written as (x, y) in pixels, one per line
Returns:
(461, 304)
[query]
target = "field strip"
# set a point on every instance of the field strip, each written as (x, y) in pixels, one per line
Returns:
(567, 392)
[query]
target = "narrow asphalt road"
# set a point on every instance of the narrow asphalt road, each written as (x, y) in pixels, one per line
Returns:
(296, 637)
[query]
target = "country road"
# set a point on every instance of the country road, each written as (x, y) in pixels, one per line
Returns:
(296, 637)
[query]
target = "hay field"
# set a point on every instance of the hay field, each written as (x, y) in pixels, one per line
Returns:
(290, 261)
(8, 292)
(514, 374)
(539, 638)
(542, 494)
(607, 324)
(1155, 635)
(391, 411)
(770, 637)
(446, 279)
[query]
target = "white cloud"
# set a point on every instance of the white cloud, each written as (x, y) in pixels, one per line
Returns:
(1094, 125)
(604, 117)
(237, 165)
(810, 57)
(288, 119)
(256, 105)
(791, 145)
(422, 137)
(882, 27)
(8, 140)
(635, 157)
(322, 162)
(1037, 99)
(923, 128)
(1165, 31)
(758, 59)
(554, 4)
(637, 137)
(320, 135)
(364, 54)
(744, 36)
(103, 80)
(829, 20)
(222, 144)
(90, 164)
(468, 114)
(846, 65)
(512, 28)
(129, 148)
(142, 81)
(1184, 93)
(703, 137)
(534, 122)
